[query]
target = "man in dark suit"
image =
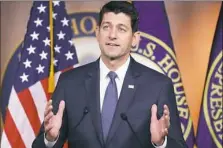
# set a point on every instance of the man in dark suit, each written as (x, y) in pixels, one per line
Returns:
(113, 102)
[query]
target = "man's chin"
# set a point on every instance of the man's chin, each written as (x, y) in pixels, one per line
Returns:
(112, 56)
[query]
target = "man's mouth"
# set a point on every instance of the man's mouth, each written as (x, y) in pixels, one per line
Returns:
(112, 44)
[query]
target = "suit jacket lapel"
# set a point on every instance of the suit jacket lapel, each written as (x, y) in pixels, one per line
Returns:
(93, 97)
(125, 99)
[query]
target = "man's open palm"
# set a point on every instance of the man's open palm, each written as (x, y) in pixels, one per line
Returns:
(52, 123)
(159, 128)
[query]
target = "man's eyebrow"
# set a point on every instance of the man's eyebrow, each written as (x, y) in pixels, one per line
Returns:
(105, 22)
(123, 25)
(120, 24)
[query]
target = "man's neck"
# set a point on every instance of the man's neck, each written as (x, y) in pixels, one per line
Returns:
(114, 64)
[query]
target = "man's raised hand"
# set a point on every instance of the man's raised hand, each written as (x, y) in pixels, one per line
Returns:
(52, 123)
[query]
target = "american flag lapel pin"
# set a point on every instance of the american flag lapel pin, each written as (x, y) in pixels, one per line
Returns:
(131, 86)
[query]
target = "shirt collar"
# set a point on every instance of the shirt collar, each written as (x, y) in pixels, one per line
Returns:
(121, 71)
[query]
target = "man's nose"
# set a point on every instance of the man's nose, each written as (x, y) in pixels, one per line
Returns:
(113, 34)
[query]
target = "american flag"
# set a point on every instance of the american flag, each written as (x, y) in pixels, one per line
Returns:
(29, 93)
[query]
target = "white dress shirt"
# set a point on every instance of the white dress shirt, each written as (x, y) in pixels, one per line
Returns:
(104, 80)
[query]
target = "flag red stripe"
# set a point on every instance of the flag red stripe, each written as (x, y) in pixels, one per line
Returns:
(68, 68)
(65, 144)
(30, 109)
(12, 132)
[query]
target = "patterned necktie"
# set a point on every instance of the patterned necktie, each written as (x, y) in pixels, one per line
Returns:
(109, 105)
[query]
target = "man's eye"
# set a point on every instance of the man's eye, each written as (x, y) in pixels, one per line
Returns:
(122, 30)
(105, 27)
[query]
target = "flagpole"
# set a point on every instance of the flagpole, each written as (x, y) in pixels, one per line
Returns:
(51, 74)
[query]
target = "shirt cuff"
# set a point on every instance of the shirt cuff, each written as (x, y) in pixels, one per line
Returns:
(163, 145)
(49, 144)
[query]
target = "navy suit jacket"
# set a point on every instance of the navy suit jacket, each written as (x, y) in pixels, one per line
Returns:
(81, 124)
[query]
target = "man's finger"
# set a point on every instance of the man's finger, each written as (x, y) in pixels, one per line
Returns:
(48, 110)
(48, 106)
(48, 127)
(49, 103)
(164, 132)
(167, 121)
(48, 117)
(154, 112)
(61, 109)
(166, 110)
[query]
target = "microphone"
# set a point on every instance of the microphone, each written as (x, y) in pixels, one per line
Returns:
(85, 112)
(125, 118)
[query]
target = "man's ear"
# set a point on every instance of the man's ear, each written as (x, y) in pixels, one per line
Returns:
(136, 38)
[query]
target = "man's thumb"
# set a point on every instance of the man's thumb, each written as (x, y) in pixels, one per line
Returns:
(61, 108)
(154, 112)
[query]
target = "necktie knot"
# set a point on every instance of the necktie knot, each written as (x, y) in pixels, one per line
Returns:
(112, 75)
